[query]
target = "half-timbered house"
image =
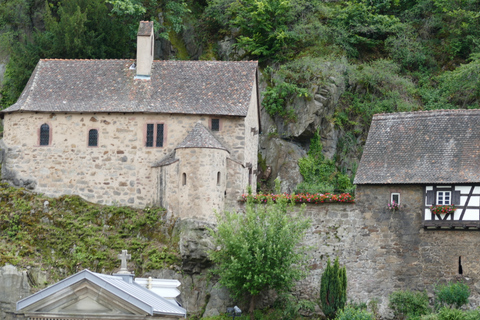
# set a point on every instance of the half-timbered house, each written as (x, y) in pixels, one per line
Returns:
(435, 153)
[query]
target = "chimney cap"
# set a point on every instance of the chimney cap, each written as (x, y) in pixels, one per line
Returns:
(145, 28)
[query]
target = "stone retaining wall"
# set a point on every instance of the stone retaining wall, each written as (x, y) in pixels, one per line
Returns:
(382, 251)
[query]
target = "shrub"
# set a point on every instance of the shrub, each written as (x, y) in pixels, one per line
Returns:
(333, 289)
(350, 313)
(450, 314)
(408, 304)
(452, 295)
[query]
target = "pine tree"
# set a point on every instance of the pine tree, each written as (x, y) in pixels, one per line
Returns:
(333, 289)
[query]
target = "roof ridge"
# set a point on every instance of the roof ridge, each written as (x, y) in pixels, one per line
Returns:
(401, 115)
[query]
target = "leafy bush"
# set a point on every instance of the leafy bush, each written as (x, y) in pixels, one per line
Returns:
(333, 289)
(259, 248)
(452, 295)
(350, 313)
(450, 314)
(408, 304)
(320, 174)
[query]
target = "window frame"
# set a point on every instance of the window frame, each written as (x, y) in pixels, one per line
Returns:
(443, 195)
(219, 124)
(392, 194)
(88, 138)
(39, 133)
(155, 134)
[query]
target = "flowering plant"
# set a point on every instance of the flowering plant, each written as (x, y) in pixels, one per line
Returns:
(393, 206)
(442, 209)
(301, 198)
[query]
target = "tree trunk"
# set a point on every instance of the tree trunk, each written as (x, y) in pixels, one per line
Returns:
(252, 306)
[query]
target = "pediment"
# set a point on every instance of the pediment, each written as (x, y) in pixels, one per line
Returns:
(84, 298)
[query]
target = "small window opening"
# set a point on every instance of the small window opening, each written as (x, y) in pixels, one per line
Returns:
(44, 134)
(460, 268)
(154, 135)
(215, 124)
(184, 179)
(395, 197)
(93, 138)
(218, 178)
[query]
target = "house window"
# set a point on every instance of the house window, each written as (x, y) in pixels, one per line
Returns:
(215, 124)
(44, 134)
(444, 197)
(155, 135)
(395, 197)
(93, 138)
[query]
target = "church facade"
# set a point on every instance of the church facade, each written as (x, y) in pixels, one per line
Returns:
(178, 134)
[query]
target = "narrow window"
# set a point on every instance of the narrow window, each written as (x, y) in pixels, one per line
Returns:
(215, 124)
(218, 178)
(44, 134)
(159, 142)
(444, 197)
(184, 179)
(460, 268)
(150, 134)
(93, 138)
(395, 197)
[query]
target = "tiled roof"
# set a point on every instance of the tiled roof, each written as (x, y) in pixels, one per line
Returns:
(441, 146)
(169, 159)
(182, 87)
(201, 137)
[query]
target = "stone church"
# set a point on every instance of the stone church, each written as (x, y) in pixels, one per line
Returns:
(178, 134)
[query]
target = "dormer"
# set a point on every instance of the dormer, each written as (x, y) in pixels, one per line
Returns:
(145, 41)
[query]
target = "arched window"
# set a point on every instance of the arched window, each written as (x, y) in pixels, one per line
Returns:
(218, 178)
(44, 134)
(93, 138)
(184, 179)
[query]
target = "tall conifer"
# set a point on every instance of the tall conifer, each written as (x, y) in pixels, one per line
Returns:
(333, 289)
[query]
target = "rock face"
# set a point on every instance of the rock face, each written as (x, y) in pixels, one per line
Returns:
(13, 287)
(282, 156)
(312, 114)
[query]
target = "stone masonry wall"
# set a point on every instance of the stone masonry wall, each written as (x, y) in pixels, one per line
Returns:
(118, 170)
(385, 251)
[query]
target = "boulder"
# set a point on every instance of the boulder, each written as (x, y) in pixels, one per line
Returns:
(282, 156)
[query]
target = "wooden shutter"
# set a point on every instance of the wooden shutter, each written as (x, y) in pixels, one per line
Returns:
(430, 197)
(456, 198)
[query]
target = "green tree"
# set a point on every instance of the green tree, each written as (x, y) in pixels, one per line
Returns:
(259, 249)
(333, 289)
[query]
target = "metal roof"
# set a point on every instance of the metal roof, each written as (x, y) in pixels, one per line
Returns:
(131, 293)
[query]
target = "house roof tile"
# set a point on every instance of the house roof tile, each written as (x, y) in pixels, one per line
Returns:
(201, 137)
(181, 87)
(441, 146)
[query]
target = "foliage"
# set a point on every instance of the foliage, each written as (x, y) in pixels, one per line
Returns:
(349, 313)
(72, 234)
(320, 174)
(259, 248)
(452, 295)
(333, 290)
(300, 198)
(393, 206)
(408, 304)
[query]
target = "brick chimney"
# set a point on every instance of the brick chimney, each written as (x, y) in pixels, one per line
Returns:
(144, 50)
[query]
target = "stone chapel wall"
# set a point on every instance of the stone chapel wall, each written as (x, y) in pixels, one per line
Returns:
(118, 171)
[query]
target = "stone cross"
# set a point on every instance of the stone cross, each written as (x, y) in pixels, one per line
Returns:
(124, 256)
